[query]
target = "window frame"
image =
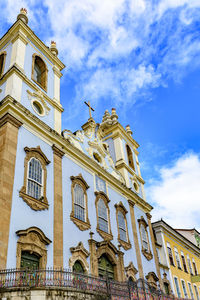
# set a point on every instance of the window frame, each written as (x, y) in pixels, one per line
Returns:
(184, 262)
(190, 265)
(196, 291)
(185, 294)
(194, 267)
(35, 204)
(177, 257)
(33, 180)
(191, 291)
(170, 262)
(130, 159)
(120, 208)
(177, 289)
(146, 252)
(82, 225)
(107, 236)
(43, 86)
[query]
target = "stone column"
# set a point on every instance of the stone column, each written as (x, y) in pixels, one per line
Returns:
(93, 256)
(154, 251)
(121, 266)
(136, 242)
(8, 149)
(58, 209)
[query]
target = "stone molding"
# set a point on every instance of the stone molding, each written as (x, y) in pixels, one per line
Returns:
(120, 208)
(81, 254)
(32, 240)
(35, 204)
(152, 279)
(10, 119)
(58, 151)
(131, 271)
(82, 225)
(107, 236)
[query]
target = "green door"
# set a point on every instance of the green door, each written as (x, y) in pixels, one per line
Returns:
(29, 261)
(105, 267)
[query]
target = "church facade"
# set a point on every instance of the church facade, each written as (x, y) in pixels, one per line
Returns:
(68, 200)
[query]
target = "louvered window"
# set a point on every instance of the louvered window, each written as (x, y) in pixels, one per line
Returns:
(102, 216)
(35, 179)
(122, 227)
(79, 202)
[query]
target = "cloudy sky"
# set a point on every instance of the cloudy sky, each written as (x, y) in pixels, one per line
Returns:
(143, 58)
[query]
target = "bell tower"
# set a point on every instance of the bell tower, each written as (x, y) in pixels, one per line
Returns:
(31, 72)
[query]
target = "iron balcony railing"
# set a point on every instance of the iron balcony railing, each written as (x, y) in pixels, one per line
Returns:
(61, 278)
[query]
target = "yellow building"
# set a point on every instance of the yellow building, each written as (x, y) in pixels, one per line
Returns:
(179, 260)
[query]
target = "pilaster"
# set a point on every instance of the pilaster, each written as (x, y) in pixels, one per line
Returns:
(9, 126)
(121, 266)
(135, 236)
(58, 209)
(154, 250)
(93, 256)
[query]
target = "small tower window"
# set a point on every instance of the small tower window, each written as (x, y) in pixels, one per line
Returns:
(130, 157)
(2, 63)
(39, 72)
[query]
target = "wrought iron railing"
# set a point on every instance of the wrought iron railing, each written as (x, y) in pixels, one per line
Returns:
(114, 290)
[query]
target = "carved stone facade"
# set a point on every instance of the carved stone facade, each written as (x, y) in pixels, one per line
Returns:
(79, 253)
(32, 240)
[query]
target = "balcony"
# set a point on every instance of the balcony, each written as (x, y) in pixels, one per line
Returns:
(62, 282)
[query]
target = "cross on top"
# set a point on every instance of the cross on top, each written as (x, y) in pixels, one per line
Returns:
(90, 108)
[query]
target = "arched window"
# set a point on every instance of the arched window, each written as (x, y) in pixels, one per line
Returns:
(2, 62)
(79, 202)
(79, 213)
(33, 192)
(122, 227)
(105, 267)
(39, 71)
(102, 216)
(77, 267)
(123, 237)
(35, 179)
(130, 157)
(144, 237)
(146, 250)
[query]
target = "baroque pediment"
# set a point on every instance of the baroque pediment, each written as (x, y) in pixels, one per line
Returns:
(90, 142)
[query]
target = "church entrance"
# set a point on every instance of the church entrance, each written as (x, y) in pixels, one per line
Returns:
(105, 267)
(29, 261)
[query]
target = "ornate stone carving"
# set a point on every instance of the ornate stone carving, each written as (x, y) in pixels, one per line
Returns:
(34, 241)
(35, 204)
(131, 271)
(81, 254)
(152, 279)
(38, 97)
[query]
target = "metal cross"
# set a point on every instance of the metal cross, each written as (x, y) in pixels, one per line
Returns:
(90, 108)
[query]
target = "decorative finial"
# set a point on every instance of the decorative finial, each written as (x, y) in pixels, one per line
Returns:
(53, 48)
(91, 234)
(114, 116)
(23, 15)
(128, 130)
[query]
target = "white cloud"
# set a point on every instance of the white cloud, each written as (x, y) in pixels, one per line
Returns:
(120, 48)
(176, 196)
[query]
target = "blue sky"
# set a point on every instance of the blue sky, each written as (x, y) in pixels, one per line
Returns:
(143, 58)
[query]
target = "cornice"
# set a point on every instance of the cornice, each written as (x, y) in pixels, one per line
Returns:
(15, 69)
(19, 25)
(9, 104)
(167, 229)
(10, 119)
(57, 151)
(117, 130)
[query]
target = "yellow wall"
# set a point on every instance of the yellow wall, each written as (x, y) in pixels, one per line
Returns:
(181, 274)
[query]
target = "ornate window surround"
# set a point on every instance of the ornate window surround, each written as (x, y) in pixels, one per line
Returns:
(79, 253)
(44, 87)
(79, 223)
(34, 203)
(34, 241)
(146, 253)
(4, 61)
(120, 208)
(107, 236)
(131, 271)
